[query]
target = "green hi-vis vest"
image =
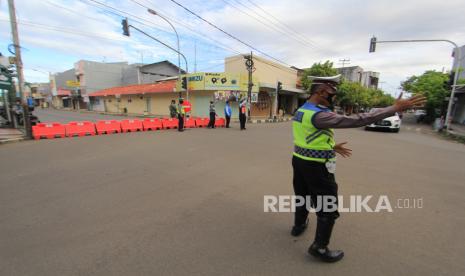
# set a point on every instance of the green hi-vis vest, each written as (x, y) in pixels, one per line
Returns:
(181, 109)
(311, 143)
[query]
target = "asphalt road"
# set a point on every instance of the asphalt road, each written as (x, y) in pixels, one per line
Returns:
(169, 203)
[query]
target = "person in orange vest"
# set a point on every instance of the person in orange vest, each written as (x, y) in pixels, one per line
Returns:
(242, 113)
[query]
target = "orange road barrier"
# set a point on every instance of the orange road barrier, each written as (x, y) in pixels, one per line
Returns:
(170, 123)
(201, 122)
(80, 129)
(189, 123)
(152, 124)
(220, 122)
(108, 127)
(131, 125)
(48, 131)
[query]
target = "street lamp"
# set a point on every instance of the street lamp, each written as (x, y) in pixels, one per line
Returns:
(374, 41)
(177, 36)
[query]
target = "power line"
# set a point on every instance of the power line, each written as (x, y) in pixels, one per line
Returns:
(60, 29)
(195, 32)
(72, 11)
(282, 23)
(272, 26)
(132, 16)
(190, 28)
(228, 34)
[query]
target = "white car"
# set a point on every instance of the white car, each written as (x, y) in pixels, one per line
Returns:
(391, 123)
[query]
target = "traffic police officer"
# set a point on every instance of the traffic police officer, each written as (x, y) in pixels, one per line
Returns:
(181, 114)
(314, 157)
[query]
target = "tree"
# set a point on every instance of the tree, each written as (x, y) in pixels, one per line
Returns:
(434, 86)
(318, 69)
(353, 95)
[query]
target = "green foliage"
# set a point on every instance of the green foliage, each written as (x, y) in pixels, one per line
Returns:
(352, 94)
(318, 69)
(433, 85)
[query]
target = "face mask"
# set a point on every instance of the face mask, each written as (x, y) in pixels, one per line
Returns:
(330, 100)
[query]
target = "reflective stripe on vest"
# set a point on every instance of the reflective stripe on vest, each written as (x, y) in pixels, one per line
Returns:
(311, 143)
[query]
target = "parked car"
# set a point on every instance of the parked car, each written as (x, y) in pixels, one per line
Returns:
(420, 115)
(391, 123)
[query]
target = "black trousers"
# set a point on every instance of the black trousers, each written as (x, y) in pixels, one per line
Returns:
(228, 119)
(242, 119)
(180, 123)
(312, 179)
(211, 123)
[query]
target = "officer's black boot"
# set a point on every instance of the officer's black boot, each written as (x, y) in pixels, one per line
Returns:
(297, 230)
(319, 247)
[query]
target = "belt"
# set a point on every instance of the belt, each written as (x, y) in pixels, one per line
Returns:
(312, 153)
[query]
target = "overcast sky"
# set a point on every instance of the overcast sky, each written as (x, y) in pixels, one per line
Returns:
(56, 33)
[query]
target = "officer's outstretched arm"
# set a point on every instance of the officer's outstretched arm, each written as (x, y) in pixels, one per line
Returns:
(333, 120)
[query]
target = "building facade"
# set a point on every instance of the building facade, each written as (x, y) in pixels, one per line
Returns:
(71, 88)
(367, 79)
(269, 103)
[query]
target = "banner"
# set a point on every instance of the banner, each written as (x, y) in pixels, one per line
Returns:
(222, 81)
(217, 82)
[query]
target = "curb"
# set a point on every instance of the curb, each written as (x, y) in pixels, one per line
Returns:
(264, 121)
(12, 140)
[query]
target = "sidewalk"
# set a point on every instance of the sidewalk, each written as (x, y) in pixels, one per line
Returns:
(8, 135)
(458, 129)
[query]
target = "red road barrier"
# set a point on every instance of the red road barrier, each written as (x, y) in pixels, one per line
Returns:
(170, 123)
(80, 129)
(220, 122)
(201, 122)
(189, 123)
(48, 131)
(152, 124)
(108, 127)
(131, 125)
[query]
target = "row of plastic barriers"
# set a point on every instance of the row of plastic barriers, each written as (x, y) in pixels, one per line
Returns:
(86, 128)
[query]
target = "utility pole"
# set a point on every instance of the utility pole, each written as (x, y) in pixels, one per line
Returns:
(19, 67)
(455, 68)
(344, 62)
(249, 66)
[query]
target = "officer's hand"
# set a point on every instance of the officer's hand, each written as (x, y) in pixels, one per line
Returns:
(343, 151)
(404, 104)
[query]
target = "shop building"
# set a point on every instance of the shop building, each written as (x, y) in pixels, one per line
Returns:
(268, 103)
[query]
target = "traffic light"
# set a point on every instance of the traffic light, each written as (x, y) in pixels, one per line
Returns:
(279, 87)
(125, 25)
(373, 45)
(184, 83)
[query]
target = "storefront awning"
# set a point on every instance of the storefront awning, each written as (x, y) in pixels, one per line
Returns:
(286, 89)
(151, 88)
(63, 92)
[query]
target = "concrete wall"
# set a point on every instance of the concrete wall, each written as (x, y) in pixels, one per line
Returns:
(153, 72)
(352, 73)
(461, 63)
(459, 115)
(95, 76)
(130, 74)
(61, 78)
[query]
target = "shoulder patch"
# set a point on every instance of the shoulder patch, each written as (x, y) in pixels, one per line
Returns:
(298, 116)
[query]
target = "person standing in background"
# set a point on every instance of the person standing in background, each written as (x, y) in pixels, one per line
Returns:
(181, 114)
(227, 113)
(211, 123)
(173, 109)
(242, 113)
